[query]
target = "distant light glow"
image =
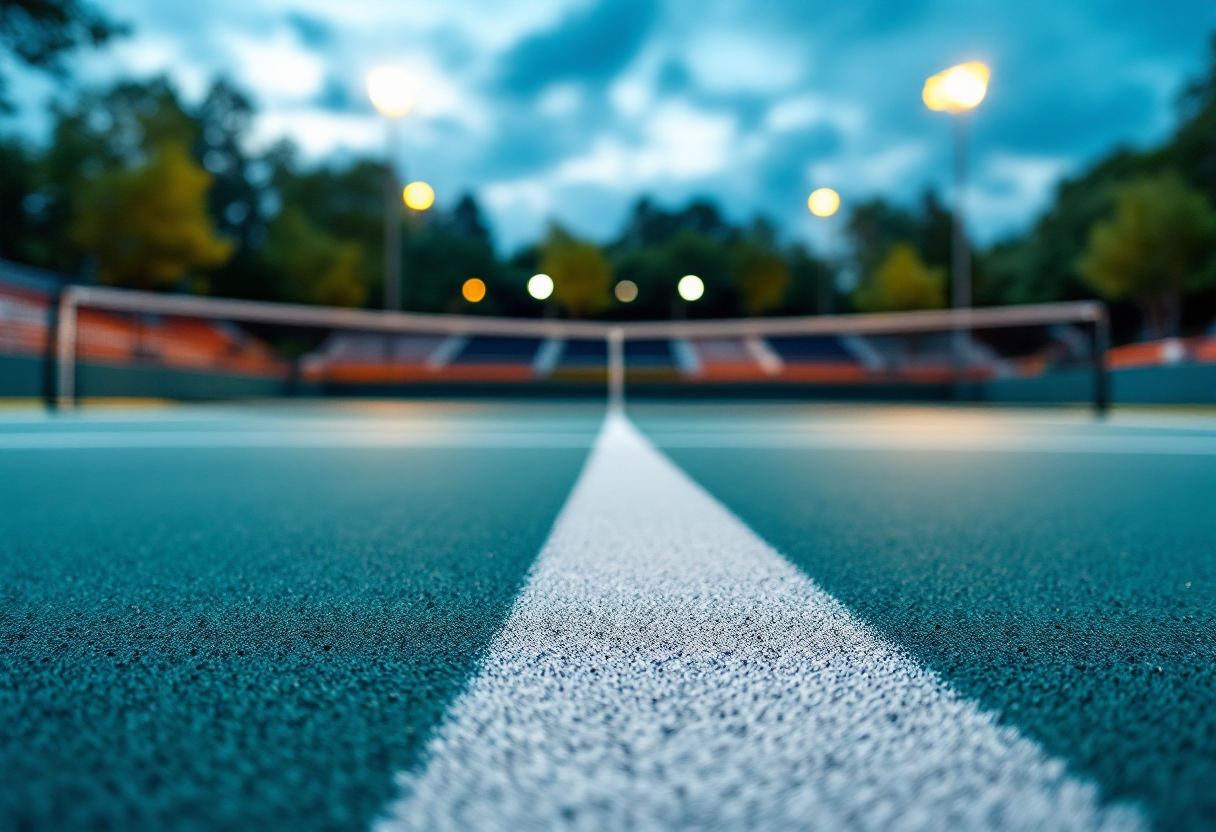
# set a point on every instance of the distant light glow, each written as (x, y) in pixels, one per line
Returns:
(389, 89)
(626, 291)
(958, 88)
(474, 289)
(691, 287)
(824, 202)
(540, 286)
(419, 196)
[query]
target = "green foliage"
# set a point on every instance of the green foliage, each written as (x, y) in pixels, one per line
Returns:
(315, 233)
(582, 275)
(657, 267)
(118, 129)
(810, 277)
(38, 33)
(744, 268)
(902, 282)
(346, 204)
(19, 204)
(120, 126)
(1045, 264)
(1159, 242)
(762, 277)
(1192, 152)
(876, 226)
(1040, 267)
(439, 258)
(148, 225)
(316, 267)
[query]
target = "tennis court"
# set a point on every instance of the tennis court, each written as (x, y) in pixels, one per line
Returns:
(504, 616)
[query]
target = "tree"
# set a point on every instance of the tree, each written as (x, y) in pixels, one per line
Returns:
(651, 225)
(316, 267)
(20, 207)
(223, 120)
(94, 132)
(466, 221)
(902, 282)
(876, 226)
(346, 202)
(438, 259)
(1159, 243)
(762, 278)
(148, 225)
(38, 33)
(808, 277)
(1193, 149)
(581, 274)
(1041, 266)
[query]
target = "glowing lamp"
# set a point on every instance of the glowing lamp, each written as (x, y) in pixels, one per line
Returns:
(540, 286)
(824, 202)
(690, 287)
(419, 196)
(474, 289)
(958, 88)
(389, 89)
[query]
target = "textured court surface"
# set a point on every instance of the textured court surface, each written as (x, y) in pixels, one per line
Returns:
(515, 617)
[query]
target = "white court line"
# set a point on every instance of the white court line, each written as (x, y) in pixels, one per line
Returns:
(76, 440)
(665, 669)
(945, 440)
(379, 438)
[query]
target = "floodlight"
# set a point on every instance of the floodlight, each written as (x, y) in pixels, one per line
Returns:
(691, 287)
(824, 202)
(474, 289)
(540, 286)
(389, 89)
(419, 196)
(958, 88)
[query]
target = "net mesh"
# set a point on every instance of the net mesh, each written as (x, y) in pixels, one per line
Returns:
(116, 343)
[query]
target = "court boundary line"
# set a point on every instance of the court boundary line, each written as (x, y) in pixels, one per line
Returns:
(644, 676)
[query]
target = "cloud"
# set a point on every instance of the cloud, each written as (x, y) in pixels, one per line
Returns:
(319, 133)
(1008, 183)
(278, 67)
(574, 108)
(312, 32)
(732, 62)
(590, 45)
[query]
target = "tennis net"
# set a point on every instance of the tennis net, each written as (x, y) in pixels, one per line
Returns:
(100, 342)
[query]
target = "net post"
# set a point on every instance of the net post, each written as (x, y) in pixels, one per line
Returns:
(616, 368)
(1099, 343)
(65, 350)
(49, 349)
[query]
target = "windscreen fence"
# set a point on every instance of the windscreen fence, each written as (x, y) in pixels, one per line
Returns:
(88, 342)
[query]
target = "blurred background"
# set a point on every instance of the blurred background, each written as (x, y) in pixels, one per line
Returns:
(244, 150)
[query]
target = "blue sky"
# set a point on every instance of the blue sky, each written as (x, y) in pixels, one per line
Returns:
(573, 108)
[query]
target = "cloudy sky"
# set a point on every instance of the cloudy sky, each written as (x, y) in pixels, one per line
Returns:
(573, 108)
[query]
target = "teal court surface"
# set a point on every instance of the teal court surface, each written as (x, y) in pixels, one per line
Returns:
(494, 616)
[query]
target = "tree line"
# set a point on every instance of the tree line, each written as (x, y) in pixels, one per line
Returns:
(138, 188)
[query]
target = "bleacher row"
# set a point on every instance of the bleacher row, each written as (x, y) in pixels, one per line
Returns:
(106, 337)
(361, 358)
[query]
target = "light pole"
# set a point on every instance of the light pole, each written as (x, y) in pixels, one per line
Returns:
(389, 90)
(955, 91)
(824, 202)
